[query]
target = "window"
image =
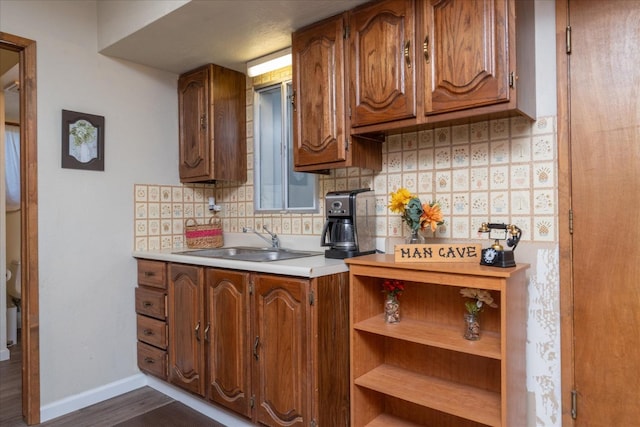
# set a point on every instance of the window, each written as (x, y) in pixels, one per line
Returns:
(278, 188)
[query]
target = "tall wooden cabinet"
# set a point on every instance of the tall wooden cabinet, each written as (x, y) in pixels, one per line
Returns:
(212, 121)
(321, 123)
(421, 371)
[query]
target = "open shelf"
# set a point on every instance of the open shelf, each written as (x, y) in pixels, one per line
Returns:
(456, 399)
(436, 335)
(386, 420)
(421, 371)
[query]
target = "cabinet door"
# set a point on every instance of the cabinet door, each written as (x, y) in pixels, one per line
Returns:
(193, 101)
(186, 315)
(282, 377)
(229, 347)
(318, 79)
(382, 47)
(465, 54)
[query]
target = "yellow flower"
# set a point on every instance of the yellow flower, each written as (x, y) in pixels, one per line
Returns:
(431, 216)
(399, 200)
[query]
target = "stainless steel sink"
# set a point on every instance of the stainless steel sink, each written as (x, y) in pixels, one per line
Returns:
(247, 253)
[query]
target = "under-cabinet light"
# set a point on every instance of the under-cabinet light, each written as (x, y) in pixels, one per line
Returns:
(270, 62)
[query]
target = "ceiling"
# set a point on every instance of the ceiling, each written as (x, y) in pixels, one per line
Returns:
(225, 32)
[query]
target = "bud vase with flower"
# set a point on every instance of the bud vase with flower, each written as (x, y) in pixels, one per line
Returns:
(479, 298)
(417, 215)
(392, 289)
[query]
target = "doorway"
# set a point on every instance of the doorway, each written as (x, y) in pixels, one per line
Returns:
(599, 157)
(29, 224)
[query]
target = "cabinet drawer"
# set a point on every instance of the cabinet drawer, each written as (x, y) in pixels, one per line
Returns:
(152, 360)
(151, 303)
(152, 331)
(152, 273)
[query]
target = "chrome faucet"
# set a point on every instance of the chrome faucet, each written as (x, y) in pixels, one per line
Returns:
(275, 241)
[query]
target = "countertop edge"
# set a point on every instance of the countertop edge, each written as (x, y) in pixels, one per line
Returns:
(309, 267)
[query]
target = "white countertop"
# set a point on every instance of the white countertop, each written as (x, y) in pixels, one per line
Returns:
(313, 266)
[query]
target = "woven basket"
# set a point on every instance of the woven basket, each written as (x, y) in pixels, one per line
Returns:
(201, 236)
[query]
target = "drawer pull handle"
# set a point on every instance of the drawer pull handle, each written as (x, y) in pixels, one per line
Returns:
(147, 304)
(407, 56)
(206, 332)
(149, 274)
(149, 360)
(425, 48)
(147, 332)
(256, 343)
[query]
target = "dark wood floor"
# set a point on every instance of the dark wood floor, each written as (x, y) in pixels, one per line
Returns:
(144, 407)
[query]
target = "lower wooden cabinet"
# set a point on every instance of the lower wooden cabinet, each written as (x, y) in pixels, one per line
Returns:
(229, 347)
(186, 327)
(421, 371)
(151, 314)
(271, 348)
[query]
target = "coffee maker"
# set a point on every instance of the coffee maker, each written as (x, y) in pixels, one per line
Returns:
(348, 229)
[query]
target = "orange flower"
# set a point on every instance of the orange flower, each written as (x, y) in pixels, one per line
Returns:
(431, 216)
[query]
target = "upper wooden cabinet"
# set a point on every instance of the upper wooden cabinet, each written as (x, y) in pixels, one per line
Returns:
(466, 54)
(212, 120)
(321, 125)
(417, 62)
(382, 52)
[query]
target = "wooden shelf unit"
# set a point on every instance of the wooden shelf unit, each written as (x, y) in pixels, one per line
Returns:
(421, 371)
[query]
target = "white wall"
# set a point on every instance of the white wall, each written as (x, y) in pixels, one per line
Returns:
(87, 274)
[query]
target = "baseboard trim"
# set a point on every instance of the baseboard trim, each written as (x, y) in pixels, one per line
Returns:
(91, 397)
(5, 353)
(220, 415)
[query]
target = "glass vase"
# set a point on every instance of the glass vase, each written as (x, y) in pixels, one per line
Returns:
(415, 238)
(472, 327)
(391, 309)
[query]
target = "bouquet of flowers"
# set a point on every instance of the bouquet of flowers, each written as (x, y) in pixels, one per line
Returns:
(393, 288)
(414, 213)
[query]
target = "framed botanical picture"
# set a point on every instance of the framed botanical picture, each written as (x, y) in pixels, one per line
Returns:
(82, 141)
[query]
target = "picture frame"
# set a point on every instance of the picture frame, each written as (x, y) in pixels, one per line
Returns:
(82, 141)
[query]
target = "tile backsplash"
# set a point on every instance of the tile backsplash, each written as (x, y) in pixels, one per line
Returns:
(501, 170)
(498, 170)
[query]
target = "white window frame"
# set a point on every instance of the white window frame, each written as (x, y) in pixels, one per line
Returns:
(286, 153)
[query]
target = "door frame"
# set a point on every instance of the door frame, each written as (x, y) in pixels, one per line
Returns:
(567, 366)
(29, 225)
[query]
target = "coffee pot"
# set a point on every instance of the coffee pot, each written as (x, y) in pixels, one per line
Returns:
(349, 224)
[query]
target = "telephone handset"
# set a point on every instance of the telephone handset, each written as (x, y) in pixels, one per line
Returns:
(495, 255)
